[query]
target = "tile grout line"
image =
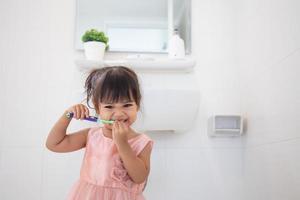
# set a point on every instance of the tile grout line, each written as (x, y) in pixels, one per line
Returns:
(42, 174)
(274, 142)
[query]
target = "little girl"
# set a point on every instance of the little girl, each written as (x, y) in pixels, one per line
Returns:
(116, 163)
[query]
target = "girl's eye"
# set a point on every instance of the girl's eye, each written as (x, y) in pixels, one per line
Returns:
(109, 107)
(128, 105)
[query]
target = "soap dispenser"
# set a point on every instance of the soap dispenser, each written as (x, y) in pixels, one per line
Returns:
(176, 46)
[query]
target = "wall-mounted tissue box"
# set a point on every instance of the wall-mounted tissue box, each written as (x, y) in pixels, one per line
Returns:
(226, 125)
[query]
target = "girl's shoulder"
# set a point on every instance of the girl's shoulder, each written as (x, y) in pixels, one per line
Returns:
(94, 132)
(144, 137)
(140, 141)
(139, 137)
(95, 129)
(138, 134)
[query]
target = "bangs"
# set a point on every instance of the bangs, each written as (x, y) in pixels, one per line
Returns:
(116, 88)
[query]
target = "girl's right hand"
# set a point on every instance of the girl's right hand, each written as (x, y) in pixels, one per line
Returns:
(79, 111)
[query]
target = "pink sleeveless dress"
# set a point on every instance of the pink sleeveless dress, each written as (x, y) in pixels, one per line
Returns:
(102, 175)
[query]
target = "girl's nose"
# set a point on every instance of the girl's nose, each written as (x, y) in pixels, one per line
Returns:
(118, 115)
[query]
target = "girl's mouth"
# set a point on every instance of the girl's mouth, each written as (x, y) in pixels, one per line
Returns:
(124, 121)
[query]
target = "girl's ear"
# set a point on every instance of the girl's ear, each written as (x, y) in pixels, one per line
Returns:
(98, 109)
(137, 108)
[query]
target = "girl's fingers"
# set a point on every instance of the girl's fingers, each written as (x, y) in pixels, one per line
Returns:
(118, 127)
(115, 128)
(86, 111)
(116, 124)
(76, 114)
(79, 111)
(122, 126)
(124, 129)
(82, 114)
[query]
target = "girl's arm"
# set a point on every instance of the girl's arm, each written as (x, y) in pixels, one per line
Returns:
(59, 141)
(138, 167)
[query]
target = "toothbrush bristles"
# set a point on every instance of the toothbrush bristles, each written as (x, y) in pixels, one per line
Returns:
(107, 121)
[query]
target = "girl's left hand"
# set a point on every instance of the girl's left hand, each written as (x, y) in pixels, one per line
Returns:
(120, 132)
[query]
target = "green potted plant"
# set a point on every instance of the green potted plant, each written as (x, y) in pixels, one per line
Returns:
(94, 43)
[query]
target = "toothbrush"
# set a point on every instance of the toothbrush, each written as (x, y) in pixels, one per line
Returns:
(92, 119)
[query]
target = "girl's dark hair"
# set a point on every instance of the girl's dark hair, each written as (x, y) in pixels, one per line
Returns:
(111, 85)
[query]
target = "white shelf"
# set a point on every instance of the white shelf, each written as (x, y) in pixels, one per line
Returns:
(227, 130)
(184, 65)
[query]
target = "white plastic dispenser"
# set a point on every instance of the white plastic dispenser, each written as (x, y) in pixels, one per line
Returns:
(176, 49)
(170, 102)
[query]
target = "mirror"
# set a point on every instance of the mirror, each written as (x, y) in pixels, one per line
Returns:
(181, 20)
(135, 25)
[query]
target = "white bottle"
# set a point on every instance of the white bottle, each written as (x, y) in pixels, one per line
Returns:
(176, 46)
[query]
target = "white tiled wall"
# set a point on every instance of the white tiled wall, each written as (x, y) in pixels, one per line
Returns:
(247, 62)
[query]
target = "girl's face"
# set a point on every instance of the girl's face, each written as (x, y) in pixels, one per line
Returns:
(125, 112)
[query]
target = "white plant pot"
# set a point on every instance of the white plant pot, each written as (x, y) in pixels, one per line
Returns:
(94, 50)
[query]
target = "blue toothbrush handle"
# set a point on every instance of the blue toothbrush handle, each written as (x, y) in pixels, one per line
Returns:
(89, 118)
